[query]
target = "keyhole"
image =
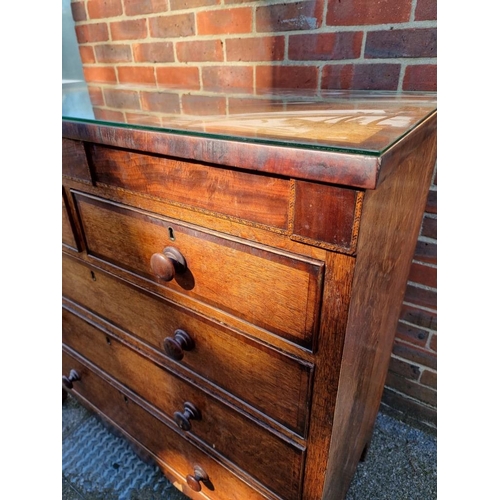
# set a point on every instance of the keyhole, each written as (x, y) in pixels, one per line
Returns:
(171, 234)
(93, 275)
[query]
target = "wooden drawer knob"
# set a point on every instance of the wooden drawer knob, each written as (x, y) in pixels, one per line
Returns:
(68, 381)
(194, 481)
(183, 420)
(167, 263)
(176, 345)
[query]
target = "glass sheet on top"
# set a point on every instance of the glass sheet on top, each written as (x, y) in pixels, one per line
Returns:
(367, 122)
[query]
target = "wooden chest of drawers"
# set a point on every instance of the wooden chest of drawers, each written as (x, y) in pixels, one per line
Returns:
(230, 303)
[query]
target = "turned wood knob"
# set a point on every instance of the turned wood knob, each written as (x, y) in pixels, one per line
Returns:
(183, 420)
(167, 263)
(176, 345)
(68, 381)
(194, 481)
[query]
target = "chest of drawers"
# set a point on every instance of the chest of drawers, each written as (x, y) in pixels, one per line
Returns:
(231, 289)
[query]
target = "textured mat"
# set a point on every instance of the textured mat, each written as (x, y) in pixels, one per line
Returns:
(100, 465)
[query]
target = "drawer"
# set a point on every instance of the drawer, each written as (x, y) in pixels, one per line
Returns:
(252, 282)
(258, 199)
(250, 370)
(174, 454)
(273, 460)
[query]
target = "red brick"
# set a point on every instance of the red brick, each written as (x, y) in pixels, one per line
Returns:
(96, 97)
(411, 334)
(86, 54)
(200, 50)
(172, 26)
(418, 317)
(191, 4)
(286, 77)
(325, 46)
(304, 15)
(433, 343)
(136, 74)
(420, 42)
(162, 102)
(203, 105)
(78, 11)
(113, 53)
(424, 275)
(409, 410)
(154, 52)
(266, 48)
(420, 77)
(99, 75)
(412, 389)
(426, 252)
(183, 77)
(237, 105)
(404, 369)
(143, 119)
(89, 33)
(361, 76)
(233, 79)
(416, 354)
(429, 378)
(109, 115)
(426, 10)
(429, 227)
(122, 99)
(129, 30)
(224, 21)
(362, 12)
(142, 7)
(421, 297)
(100, 9)
(431, 207)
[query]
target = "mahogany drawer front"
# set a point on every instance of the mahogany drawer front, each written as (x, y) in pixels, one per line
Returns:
(275, 290)
(326, 216)
(175, 454)
(248, 369)
(74, 161)
(260, 199)
(274, 461)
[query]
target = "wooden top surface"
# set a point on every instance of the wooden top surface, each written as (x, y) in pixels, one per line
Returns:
(352, 121)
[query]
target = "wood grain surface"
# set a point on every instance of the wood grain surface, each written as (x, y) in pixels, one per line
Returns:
(239, 278)
(248, 369)
(389, 228)
(274, 461)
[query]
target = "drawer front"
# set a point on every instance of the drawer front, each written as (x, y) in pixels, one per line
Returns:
(175, 454)
(272, 382)
(275, 462)
(261, 199)
(274, 290)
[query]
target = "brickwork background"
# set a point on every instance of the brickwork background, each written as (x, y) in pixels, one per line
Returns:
(220, 53)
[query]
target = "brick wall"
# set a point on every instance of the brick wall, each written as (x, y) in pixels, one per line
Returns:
(220, 53)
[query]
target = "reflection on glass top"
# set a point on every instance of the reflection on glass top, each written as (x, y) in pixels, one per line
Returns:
(359, 121)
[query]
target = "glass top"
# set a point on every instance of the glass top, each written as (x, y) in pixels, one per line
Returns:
(367, 122)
